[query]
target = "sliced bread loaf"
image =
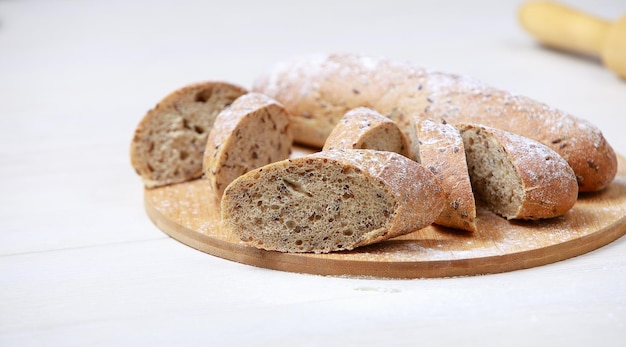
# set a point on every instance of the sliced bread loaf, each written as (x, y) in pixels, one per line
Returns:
(169, 142)
(516, 177)
(443, 153)
(331, 201)
(318, 90)
(252, 132)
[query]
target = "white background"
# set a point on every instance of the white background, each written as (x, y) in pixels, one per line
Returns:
(81, 264)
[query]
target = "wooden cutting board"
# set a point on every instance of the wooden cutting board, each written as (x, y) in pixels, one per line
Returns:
(187, 213)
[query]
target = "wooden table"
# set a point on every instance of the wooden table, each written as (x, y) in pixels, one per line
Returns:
(82, 264)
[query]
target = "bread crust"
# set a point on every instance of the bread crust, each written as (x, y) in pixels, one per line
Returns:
(318, 90)
(169, 141)
(252, 132)
(443, 153)
(364, 128)
(546, 184)
(383, 193)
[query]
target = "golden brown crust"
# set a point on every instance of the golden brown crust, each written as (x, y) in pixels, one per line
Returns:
(443, 153)
(169, 141)
(330, 201)
(318, 91)
(252, 132)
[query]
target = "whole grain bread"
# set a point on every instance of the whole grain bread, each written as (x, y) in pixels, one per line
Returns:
(364, 128)
(318, 90)
(252, 132)
(169, 142)
(516, 177)
(331, 201)
(443, 153)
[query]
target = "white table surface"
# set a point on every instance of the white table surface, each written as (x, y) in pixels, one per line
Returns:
(82, 265)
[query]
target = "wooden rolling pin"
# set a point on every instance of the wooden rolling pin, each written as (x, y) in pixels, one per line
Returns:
(565, 28)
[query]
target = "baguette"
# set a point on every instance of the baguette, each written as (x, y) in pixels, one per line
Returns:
(364, 128)
(169, 142)
(252, 132)
(516, 177)
(443, 153)
(318, 90)
(331, 201)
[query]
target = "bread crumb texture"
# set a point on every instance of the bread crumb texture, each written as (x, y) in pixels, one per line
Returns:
(169, 142)
(331, 201)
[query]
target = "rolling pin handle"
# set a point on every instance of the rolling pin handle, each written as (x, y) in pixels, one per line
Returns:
(564, 28)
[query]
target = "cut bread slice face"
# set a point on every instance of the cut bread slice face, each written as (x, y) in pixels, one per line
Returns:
(443, 153)
(169, 142)
(252, 132)
(331, 201)
(516, 177)
(364, 128)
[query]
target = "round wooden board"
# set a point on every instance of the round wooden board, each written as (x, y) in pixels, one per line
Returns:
(188, 213)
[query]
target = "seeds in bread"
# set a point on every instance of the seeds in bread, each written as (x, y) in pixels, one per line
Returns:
(443, 153)
(364, 128)
(169, 142)
(331, 201)
(252, 132)
(317, 91)
(516, 177)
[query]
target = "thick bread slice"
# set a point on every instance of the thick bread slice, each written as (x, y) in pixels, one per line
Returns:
(516, 177)
(331, 201)
(364, 128)
(318, 90)
(169, 142)
(252, 132)
(443, 153)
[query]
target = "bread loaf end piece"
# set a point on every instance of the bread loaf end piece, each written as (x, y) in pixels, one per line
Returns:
(443, 153)
(460, 99)
(364, 128)
(516, 177)
(252, 132)
(169, 142)
(331, 201)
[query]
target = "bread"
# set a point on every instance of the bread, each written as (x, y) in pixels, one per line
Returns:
(443, 153)
(169, 142)
(331, 201)
(516, 177)
(252, 132)
(318, 90)
(364, 128)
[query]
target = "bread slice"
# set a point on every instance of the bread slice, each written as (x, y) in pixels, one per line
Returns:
(443, 153)
(516, 177)
(331, 201)
(252, 132)
(364, 128)
(169, 142)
